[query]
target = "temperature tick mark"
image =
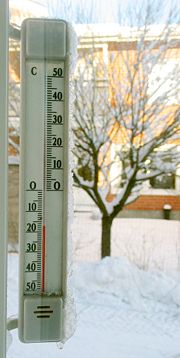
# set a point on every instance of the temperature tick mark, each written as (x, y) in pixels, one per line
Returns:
(56, 77)
(43, 307)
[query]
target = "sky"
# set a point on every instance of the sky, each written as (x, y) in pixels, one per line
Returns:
(111, 10)
(98, 11)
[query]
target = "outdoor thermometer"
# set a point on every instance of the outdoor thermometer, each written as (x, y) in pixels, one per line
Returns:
(44, 179)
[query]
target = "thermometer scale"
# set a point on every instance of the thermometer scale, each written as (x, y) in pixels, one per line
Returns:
(44, 178)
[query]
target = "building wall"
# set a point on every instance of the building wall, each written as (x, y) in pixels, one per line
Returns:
(155, 202)
(147, 205)
(154, 206)
(149, 214)
(141, 208)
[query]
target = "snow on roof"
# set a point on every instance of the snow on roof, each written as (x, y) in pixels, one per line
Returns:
(108, 29)
(114, 29)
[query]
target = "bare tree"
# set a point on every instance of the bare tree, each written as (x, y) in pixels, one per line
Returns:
(73, 11)
(132, 102)
(147, 12)
(125, 102)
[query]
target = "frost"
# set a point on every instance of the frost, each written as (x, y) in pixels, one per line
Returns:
(9, 340)
(69, 321)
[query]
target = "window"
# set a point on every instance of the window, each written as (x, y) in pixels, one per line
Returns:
(163, 81)
(164, 181)
(118, 167)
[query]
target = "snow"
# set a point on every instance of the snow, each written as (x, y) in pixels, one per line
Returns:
(122, 310)
(114, 29)
(13, 160)
(69, 308)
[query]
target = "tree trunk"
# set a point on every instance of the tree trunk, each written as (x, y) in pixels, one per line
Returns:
(106, 236)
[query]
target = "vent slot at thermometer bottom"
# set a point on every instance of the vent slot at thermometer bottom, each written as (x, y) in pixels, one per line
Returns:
(43, 312)
(42, 319)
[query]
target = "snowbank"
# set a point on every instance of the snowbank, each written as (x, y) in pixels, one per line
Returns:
(119, 279)
(122, 311)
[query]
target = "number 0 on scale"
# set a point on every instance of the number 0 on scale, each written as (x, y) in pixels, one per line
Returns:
(43, 179)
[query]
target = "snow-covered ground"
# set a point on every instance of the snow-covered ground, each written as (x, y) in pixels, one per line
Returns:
(122, 311)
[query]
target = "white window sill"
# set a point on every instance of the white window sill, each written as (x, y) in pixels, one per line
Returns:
(162, 192)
